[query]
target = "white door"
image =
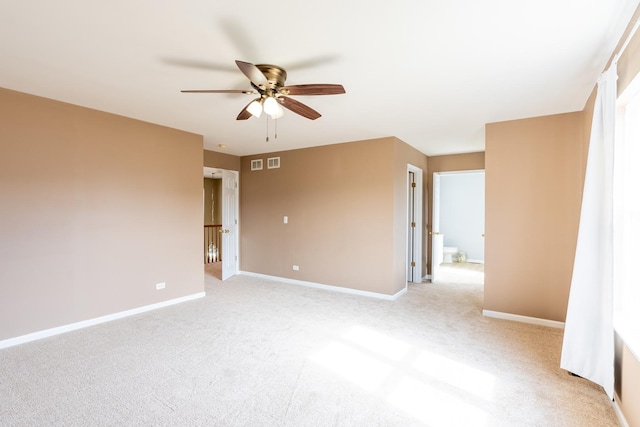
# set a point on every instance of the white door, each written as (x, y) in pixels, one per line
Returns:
(229, 228)
(437, 239)
(411, 229)
(414, 224)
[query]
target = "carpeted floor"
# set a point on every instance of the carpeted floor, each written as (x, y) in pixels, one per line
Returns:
(261, 353)
(462, 272)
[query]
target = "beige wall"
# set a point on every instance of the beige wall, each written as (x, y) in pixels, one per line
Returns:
(627, 383)
(96, 209)
(214, 159)
(208, 211)
(343, 205)
(212, 214)
(533, 187)
(448, 163)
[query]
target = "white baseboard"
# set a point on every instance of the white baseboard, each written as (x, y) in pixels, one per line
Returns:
(618, 411)
(327, 287)
(95, 321)
(523, 319)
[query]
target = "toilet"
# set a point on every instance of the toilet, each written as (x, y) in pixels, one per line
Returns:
(449, 252)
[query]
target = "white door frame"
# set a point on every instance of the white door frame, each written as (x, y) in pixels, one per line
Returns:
(417, 206)
(229, 246)
(437, 239)
(230, 226)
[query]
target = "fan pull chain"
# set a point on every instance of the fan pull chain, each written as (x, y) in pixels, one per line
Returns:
(275, 133)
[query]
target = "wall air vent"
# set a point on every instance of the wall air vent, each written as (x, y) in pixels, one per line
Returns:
(273, 162)
(256, 165)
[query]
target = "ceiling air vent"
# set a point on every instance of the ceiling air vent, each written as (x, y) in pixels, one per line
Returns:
(273, 162)
(256, 165)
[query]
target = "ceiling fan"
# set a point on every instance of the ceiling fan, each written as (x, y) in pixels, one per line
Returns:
(267, 81)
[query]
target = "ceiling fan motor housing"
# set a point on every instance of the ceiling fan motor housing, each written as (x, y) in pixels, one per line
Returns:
(275, 75)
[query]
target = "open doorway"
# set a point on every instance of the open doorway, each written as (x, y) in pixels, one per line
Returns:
(221, 224)
(457, 235)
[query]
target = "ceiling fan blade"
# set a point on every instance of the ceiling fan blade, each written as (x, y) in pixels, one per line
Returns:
(237, 33)
(311, 62)
(244, 114)
(201, 65)
(253, 73)
(313, 89)
(298, 108)
(247, 92)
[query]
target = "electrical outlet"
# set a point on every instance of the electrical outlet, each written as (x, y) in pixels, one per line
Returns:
(296, 268)
(160, 286)
(285, 220)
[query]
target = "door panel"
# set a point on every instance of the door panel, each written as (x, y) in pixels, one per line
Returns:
(437, 240)
(229, 224)
(415, 224)
(412, 229)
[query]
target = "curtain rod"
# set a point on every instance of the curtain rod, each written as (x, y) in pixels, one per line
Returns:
(627, 40)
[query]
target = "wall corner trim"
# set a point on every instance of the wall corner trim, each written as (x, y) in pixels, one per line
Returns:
(618, 411)
(523, 319)
(327, 287)
(95, 321)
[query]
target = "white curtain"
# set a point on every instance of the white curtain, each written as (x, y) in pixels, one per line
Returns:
(588, 345)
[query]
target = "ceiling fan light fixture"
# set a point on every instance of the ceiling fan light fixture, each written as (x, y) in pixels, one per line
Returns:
(268, 82)
(271, 106)
(278, 114)
(255, 108)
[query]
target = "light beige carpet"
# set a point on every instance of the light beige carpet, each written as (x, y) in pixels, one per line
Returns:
(462, 272)
(260, 353)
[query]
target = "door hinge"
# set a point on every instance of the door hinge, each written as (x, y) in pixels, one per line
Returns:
(413, 224)
(413, 184)
(413, 263)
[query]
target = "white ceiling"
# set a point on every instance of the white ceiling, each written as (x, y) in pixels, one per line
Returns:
(431, 73)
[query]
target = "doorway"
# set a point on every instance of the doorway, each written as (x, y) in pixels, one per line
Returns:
(222, 234)
(457, 234)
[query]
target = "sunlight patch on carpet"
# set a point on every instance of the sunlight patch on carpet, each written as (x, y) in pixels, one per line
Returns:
(459, 375)
(380, 344)
(434, 406)
(429, 387)
(359, 368)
